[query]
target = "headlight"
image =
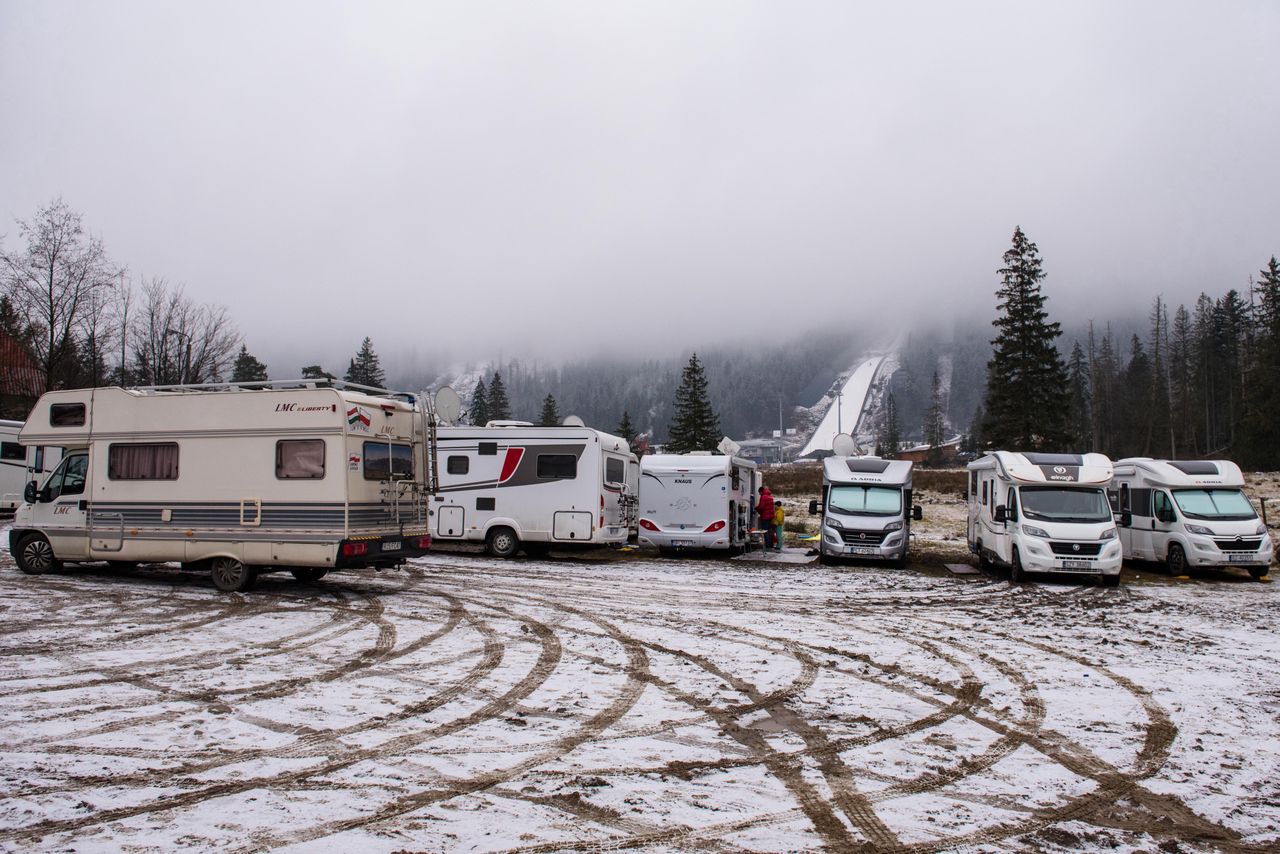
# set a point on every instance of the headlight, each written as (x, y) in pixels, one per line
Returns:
(1262, 529)
(832, 525)
(1109, 534)
(894, 526)
(1033, 531)
(1199, 529)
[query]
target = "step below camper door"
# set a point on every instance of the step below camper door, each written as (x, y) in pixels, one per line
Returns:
(573, 526)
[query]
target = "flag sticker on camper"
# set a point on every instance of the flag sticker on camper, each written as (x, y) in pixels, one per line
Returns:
(358, 419)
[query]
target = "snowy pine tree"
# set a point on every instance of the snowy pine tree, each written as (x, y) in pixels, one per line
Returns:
(478, 414)
(695, 426)
(550, 415)
(1026, 380)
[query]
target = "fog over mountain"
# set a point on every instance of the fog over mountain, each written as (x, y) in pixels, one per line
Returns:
(473, 181)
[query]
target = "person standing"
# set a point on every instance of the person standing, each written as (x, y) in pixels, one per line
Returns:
(779, 519)
(764, 513)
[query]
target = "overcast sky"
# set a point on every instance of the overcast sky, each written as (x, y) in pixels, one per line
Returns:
(547, 178)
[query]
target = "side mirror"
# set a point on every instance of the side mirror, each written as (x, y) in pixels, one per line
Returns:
(917, 513)
(1126, 519)
(29, 494)
(46, 495)
(815, 507)
(1002, 514)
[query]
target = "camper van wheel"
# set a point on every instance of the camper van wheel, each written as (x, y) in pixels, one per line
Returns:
(1111, 580)
(230, 575)
(1175, 563)
(1259, 571)
(502, 542)
(309, 574)
(1016, 575)
(824, 558)
(35, 555)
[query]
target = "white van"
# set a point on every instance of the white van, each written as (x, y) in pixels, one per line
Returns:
(696, 501)
(1043, 513)
(866, 509)
(18, 464)
(512, 485)
(235, 481)
(1189, 513)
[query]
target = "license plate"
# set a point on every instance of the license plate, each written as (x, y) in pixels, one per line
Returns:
(679, 543)
(391, 547)
(1241, 558)
(864, 551)
(1076, 564)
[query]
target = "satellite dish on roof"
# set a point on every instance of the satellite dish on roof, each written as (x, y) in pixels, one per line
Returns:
(843, 445)
(448, 405)
(573, 421)
(728, 447)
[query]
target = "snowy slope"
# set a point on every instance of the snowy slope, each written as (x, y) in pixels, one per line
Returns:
(847, 409)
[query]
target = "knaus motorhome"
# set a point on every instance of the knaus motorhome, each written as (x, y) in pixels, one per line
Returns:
(235, 481)
(18, 464)
(866, 509)
(512, 486)
(1043, 513)
(696, 501)
(1189, 513)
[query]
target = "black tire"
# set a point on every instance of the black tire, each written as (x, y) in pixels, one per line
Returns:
(309, 574)
(1259, 571)
(1111, 580)
(35, 556)
(1175, 562)
(502, 542)
(1016, 573)
(984, 562)
(824, 558)
(230, 575)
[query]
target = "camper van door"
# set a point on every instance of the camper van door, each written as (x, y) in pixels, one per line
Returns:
(61, 509)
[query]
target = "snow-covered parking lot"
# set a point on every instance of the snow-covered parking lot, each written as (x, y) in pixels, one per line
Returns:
(622, 701)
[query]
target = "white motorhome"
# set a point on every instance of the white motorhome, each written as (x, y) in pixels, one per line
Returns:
(696, 501)
(18, 464)
(236, 481)
(1043, 513)
(1188, 513)
(512, 485)
(866, 509)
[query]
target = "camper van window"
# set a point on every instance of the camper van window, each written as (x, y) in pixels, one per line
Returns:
(66, 415)
(1058, 504)
(866, 500)
(459, 465)
(615, 470)
(12, 451)
(1214, 504)
(143, 462)
(735, 478)
(300, 459)
(1140, 502)
(557, 466)
(69, 478)
(488, 449)
(984, 493)
(383, 461)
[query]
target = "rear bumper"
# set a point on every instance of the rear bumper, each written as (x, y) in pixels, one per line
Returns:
(380, 550)
(684, 539)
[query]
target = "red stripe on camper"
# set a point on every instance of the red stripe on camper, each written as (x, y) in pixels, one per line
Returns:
(510, 463)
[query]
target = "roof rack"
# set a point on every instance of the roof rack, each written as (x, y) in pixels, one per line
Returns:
(264, 385)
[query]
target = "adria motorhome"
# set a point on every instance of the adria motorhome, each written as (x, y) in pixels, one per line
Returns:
(512, 486)
(1189, 513)
(235, 481)
(696, 501)
(1043, 513)
(866, 509)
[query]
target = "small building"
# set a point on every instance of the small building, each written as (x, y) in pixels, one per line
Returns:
(21, 380)
(947, 452)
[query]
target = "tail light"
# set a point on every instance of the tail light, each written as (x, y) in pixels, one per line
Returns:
(421, 542)
(713, 527)
(647, 525)
(354, 549)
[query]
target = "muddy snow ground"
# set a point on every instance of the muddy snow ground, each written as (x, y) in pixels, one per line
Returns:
(622, 700)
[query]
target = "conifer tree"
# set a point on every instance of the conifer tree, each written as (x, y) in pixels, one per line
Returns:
(890, 436)
(933, 422)
(365, 368)
(247, 368)
(626, 430)
(499, 406)
(550, 415)
(973, 440)
(1080, 425)
(478, 414)
(695, 426)
(1182, 403)
(1026, 379)
(315, 372)
(1259, 446)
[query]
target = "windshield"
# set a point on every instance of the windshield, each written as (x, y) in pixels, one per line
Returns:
(866, 500)
(1214, 504)
(1056, 504)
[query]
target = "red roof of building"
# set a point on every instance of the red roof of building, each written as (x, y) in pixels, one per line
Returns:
(19, 374)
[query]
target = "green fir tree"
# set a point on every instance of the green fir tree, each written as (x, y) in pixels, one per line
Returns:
(315, 372)
(626, 430)
(499, 406)
(695, 426)
(247, 368)
(365, 369)
(478, 414)
(550, 415)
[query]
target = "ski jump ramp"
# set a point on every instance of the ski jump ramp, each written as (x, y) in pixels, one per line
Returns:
(846, 410)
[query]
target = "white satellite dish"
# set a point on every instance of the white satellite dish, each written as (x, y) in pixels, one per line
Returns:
(448, 405)
(573, 421)
(728, 447)
(843, 445)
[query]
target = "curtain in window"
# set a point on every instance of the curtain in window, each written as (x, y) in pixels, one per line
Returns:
(302, 458)
(143, 462)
